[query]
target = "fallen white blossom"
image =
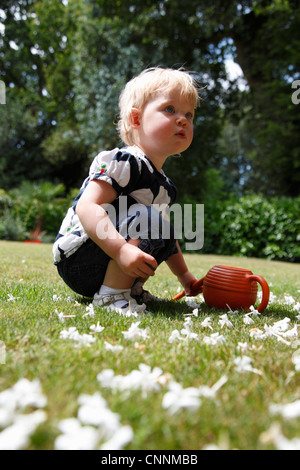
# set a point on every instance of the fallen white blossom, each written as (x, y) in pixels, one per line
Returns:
(296, 307)
(17, 435)
(96, 427)
(214, 339)
(289, 300)
(24, 393)
(111, 347)
(178, 398)
(62, 316)
(274, 435)
(247, 319)
(232, 311)
(175, 335)
(143, 379)
(253, 311)
(296, 360)
(135, 332)
(186, 331)
(207, 323)
(18, 425)
(119, 440)
(243, 364)
(278, 329)
(272, 297)
(84, 340)
(73, 334)
(130, 313)
(94, 411)
(75, 436)
(224, 321)
(287, 411)
(11, 298)
(89, 311)
(257, 333)
(210, 392)
(194, 313)
(211, 447)
(243, 346)
(97, 328)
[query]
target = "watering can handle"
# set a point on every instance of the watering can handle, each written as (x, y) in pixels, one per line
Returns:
(196, 289)
(265, 291)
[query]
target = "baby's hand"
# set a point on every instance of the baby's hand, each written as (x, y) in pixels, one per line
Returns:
(187, 280)
(135, 262)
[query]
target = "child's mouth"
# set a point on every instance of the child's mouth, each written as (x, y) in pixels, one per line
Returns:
(180, 134)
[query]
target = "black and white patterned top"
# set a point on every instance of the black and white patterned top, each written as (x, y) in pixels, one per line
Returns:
(130, 173)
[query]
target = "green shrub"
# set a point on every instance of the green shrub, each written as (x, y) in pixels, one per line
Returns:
(12, 227)
(254, 226)
(33, 210)
(251, 226)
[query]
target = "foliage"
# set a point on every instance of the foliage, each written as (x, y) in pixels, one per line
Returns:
(12, 227)
(71, 59)
(254, 226)
(33, 211)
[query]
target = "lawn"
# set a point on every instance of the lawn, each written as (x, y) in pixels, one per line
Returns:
(147, 385)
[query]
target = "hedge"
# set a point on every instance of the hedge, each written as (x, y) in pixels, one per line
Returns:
(254, 226)
(250, 226)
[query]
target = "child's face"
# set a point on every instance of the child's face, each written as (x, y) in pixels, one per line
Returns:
(165, 125)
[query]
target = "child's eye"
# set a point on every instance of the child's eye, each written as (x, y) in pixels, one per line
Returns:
(189, 116)
(170, 109)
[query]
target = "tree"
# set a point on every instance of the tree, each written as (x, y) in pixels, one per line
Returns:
(38, 116)
(267, 40)
(64, 64)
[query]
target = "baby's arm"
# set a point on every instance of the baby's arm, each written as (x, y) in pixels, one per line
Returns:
(101, 230)
(178, 267)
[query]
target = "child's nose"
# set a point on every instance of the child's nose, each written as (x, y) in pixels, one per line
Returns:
(181, 121)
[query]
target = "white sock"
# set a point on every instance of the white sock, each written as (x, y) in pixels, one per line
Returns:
(105, 290)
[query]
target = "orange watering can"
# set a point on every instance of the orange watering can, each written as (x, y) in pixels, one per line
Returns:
(229, 286)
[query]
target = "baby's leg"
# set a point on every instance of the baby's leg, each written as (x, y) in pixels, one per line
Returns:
(146, 229)
(115, 277)
(114, 293)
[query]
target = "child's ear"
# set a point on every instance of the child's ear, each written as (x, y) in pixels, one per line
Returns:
(135, 117)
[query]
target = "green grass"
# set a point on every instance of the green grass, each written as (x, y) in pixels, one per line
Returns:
(236, 419)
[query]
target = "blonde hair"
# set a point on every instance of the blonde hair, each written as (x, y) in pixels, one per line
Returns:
(138, 91)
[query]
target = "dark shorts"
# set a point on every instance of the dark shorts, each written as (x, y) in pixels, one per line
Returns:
(85, 269)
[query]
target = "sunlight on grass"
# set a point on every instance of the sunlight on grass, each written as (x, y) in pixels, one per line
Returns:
(160, 393)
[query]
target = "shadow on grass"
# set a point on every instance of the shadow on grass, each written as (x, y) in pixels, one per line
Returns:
(165, 308)
(170, 308)
(178, 309)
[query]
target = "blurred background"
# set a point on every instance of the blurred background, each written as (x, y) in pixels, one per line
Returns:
(63, 64)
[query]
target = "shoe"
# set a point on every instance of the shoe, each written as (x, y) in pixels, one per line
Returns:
(121, 303)
(142, 295)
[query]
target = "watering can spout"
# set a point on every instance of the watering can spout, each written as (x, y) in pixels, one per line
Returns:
(196, 289)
